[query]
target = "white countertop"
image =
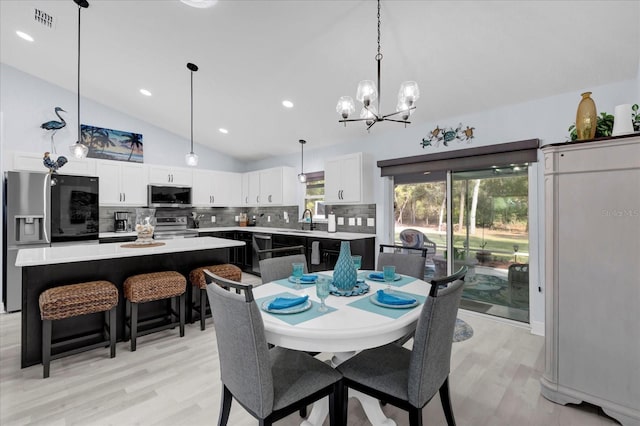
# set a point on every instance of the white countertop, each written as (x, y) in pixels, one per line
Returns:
(82, 253)
(288, 231)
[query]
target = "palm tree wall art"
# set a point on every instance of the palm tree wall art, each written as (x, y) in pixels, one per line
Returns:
(109, 144)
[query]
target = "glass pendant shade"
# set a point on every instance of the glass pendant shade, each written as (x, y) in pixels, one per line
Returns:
(409, 92)
(79, 150)
(369, 114)
(367, 92)
(345, 106)
(404, 108)
(302, 178)
(191, 159)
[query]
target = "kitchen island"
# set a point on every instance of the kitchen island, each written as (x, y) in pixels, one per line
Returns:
(44, 268)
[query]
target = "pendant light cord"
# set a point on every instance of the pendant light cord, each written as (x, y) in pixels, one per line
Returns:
(79, 127)
(379, 61)
(191, 111)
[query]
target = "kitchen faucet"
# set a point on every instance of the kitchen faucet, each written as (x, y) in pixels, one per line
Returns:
(311, 225)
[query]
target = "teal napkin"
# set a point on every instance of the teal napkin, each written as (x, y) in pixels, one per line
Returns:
(390, 299)
(287, 302)
(376, 276)
(309, 278)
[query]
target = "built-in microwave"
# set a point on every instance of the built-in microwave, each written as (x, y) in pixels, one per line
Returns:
(168, 196)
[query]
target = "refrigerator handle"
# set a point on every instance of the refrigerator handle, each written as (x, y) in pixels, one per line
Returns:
(47, 187)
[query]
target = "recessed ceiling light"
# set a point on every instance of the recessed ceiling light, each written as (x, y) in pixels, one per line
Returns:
(24, 36)
(145, 92)
(287, 104)
(221, 130)
(200, 4)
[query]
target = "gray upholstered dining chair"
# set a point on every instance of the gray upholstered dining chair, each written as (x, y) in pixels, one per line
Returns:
(277, 268)
(408, 379)
(405, 264)
(269, 383)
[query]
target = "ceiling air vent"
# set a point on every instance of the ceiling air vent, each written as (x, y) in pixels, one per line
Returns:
(43, 17)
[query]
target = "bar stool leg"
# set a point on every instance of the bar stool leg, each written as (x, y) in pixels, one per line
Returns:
(112, 331)
(134, 325)
(46, 347)
(182, 307)
(203, 307)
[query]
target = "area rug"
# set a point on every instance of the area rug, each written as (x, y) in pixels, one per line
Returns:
(463, 331)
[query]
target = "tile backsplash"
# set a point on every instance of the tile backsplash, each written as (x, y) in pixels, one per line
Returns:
(273, 217)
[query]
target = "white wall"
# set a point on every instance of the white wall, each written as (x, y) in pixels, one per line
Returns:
(28, 101)
(546, 119)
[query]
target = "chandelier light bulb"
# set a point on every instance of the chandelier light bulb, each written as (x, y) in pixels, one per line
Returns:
(410, 92)
(404, 108)
(345, 106)
(369, 114)
(367, 92)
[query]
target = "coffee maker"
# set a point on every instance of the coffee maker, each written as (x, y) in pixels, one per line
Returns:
(120, 221)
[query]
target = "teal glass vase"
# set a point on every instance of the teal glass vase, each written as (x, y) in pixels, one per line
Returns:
(344, 273)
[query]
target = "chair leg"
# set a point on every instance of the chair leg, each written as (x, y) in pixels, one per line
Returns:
(225, 406)
(127, 319)
(203, 307)
(446, 403)
(182, 308)
(112, 331)
(134, 325)
(415, 416)
(303, 412)
(344, 406)
(46, 347)
(335, 411)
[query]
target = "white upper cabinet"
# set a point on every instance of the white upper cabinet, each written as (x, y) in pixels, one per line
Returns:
(344, 180)
(269, 187)
(32, 162)
(170, 176)
(122, 184)
(213, 188)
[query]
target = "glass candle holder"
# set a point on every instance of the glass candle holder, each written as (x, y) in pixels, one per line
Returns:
(145, 224)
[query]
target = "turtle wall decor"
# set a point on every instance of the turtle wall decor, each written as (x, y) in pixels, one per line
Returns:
(446, 135)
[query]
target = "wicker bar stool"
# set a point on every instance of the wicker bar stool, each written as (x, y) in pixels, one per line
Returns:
(228, 271)
(71, 301)
(147, 288)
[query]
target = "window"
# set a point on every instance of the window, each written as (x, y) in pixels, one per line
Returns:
(314, 194)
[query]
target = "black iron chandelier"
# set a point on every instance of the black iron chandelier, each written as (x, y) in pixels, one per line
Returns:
(368, 92)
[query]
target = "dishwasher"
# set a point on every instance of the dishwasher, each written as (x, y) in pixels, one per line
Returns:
(260, 242)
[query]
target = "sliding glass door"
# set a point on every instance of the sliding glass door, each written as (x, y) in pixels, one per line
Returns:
(488, 233)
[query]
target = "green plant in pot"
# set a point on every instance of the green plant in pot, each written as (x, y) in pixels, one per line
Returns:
(604, 126)
(635, 118)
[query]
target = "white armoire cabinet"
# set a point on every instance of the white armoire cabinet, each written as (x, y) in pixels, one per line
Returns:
(592, 257)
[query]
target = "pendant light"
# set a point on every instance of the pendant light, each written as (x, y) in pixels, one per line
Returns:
(191, 159)
(368, 92)
(78, 149)
(302, 177)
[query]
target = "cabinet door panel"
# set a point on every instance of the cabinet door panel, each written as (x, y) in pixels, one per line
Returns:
(332, 181)
(271, 187)
(109, 174)
(133, 184)
(202, 188)
(351, 179)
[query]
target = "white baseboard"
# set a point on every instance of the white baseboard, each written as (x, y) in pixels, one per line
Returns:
(537, 328)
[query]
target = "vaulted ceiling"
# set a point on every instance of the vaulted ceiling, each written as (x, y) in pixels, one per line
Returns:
(466, 56)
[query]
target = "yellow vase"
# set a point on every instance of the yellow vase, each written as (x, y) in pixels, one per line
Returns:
(586, 118)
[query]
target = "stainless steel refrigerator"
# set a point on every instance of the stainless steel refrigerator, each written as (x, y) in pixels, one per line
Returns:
(41, 210)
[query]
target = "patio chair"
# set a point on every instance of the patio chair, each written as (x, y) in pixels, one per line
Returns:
(518, 283)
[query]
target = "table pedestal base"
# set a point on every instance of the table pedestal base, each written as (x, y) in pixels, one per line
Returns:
(371, 406)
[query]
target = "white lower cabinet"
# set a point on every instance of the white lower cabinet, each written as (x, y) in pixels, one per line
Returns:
(213, 188)
(122, 184)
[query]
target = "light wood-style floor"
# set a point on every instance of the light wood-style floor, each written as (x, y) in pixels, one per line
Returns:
(175, 381)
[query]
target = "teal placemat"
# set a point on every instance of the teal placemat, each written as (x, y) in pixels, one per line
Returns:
(367, 305)
(402, 281)
(298, 318)
(286, 283)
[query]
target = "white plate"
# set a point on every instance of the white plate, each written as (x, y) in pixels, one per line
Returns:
(291, 310)
(292, 279)
(375, 301)
(381, 280)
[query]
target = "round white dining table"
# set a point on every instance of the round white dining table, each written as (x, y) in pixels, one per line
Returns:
(343, 331)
